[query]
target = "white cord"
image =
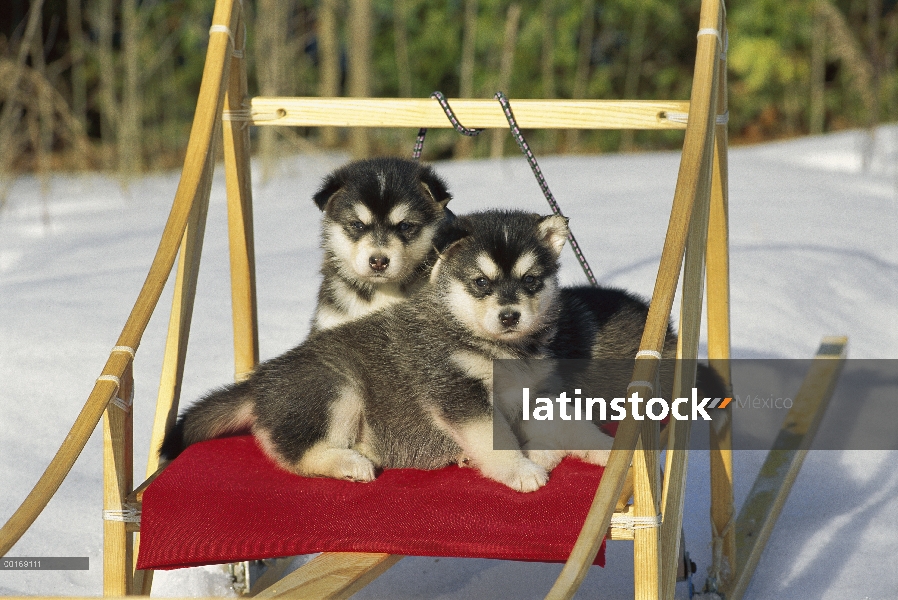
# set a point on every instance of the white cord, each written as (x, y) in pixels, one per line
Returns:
(129, 514)
(125, 349)
(241, 114)
(125, 405)
(225, 29)
(710, 31)
(633, 523)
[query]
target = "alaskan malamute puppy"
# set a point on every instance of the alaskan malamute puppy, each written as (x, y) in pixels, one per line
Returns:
(380, 217)
(410, 386)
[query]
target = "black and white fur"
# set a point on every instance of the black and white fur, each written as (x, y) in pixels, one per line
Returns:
(410, 386)
(606, 324)
(380, 217)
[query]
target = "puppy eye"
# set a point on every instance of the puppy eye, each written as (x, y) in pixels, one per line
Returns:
(358, 225)
(481, 282)
(403, 226)
(529, 279)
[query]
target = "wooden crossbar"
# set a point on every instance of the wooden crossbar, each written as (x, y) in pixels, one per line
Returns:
(476, 114)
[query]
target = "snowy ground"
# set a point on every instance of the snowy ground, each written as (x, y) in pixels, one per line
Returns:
(814, 252)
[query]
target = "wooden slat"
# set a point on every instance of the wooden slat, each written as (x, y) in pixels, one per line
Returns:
(774, 482)
(240, 225)
(478, 114)
(118, 478)
(179, 320)
(178, 335)
(684, 379)
(205, 121)
(646, 503)
(718, 282)
(332, 576)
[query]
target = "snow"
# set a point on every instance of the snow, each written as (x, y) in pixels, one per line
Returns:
(814, 252)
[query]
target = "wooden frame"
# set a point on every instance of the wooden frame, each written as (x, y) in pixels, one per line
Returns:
(696, 242)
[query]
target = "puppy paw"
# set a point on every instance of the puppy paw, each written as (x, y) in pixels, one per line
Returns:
(529, 478)
(339, 463)
(519, 473)
(355, 467)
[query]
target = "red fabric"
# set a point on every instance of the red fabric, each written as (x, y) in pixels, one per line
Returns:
(224, 500)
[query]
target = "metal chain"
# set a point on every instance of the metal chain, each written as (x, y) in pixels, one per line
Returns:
(525, 148)
(419, 142)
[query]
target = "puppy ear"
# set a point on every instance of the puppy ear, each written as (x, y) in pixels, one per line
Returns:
(331, 185)
(434, 186)
(449, 234)
(447, 242)
(553, 232)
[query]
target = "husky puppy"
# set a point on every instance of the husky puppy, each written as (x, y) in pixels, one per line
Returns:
(380, 217)
(410, 386)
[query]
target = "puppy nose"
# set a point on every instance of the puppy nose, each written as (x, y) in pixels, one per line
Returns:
(379, 263)
(509, 318)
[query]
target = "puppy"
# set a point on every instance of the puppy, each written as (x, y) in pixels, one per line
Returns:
(380, 217)
(411, 386)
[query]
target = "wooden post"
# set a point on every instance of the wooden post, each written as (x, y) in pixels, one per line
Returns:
(118, 479)
(240, 222)
(718, 282)
(684, 378)
(179, 321)
(646, 504)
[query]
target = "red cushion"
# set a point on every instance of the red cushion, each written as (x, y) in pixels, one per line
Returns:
(224, 500)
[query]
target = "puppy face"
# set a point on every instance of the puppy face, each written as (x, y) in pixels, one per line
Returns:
(500, 278)
(380, 218)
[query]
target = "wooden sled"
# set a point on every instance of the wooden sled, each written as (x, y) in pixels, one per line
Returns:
(632, 486)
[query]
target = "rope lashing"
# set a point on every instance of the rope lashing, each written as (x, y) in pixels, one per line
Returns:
(130, 513)
(126, 349)
(724, 41)
(553, 204)
(125, 405)
(720, 569)
(235, 51)
(633, 523)
(223, 29)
